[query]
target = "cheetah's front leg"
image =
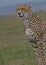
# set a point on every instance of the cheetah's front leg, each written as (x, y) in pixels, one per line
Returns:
(41, 51)
(35, 48)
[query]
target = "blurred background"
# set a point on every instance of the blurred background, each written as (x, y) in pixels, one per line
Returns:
(15, 49)
(8, 7)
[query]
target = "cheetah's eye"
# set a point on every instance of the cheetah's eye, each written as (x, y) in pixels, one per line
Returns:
(22, 8)
(17, 9)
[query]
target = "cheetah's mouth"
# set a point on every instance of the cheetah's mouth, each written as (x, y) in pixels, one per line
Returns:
(20, 16)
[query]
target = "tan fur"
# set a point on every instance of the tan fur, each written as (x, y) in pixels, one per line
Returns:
(26, 7)
(38, 27)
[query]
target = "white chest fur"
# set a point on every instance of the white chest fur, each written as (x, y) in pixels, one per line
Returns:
(28, 31)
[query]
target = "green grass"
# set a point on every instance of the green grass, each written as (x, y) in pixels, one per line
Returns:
(14, 47)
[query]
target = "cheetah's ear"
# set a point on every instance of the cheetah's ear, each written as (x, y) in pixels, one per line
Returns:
(30, 6)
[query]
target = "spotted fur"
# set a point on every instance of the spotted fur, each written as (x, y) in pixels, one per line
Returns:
(35, 31)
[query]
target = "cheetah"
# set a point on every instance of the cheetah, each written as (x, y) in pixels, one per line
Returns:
(35, 31)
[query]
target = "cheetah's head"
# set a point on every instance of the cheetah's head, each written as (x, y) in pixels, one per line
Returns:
(23, 10)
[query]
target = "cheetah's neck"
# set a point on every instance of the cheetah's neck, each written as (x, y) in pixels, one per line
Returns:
(26, 21)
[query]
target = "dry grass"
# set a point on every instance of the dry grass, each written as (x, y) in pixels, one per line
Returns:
(14, 48)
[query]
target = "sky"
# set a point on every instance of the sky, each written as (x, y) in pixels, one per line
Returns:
(4, 3)
(8, 6)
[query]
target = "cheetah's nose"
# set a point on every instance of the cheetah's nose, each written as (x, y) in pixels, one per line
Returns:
(19, 13)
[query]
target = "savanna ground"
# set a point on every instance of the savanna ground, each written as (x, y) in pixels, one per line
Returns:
(14, 47)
